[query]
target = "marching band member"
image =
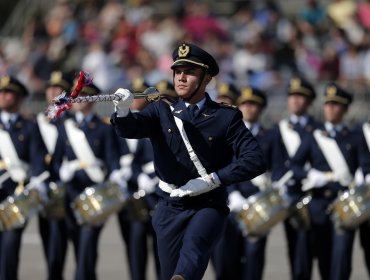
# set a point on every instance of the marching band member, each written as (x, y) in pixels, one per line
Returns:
(226, 257)
(191, 214)
(363, 133)
(284, 140)
(22, 152)
(135, 227)
(88, 150)
(333, 155)
(55, 243)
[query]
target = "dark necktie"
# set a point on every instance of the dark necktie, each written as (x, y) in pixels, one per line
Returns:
(193, 109)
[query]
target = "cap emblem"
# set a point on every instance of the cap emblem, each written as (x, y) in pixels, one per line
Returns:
(5, 81)
(183, 50)
(331, 91)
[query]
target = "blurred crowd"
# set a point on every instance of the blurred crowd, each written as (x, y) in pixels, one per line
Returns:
(259, 44)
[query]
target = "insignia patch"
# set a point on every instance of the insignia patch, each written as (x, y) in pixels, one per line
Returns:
(177, 112)
(56, 77)
(331, 91)
(183, 50)
(224, 88)
(5, 81)
(295, 84)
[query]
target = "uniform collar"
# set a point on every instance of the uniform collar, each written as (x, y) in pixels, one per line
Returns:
(200, 104)
(333, 129)
(253, 127)
(8, 117)
(301, 120)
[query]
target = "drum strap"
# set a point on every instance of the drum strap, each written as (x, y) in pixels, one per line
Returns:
(17, 168)
(83, 152)
(193, 156)
(334, 157)
(366, 130)
(49, 133)
(291, 138)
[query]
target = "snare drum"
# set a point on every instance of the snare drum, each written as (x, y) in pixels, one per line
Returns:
(299, 213)
(95, 204)
(352, 207)
(16, 209)
(55, 209)
(262, 211)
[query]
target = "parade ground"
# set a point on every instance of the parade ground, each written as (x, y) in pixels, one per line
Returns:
(112, 262)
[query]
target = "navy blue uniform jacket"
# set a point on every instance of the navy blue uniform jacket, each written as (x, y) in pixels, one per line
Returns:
(217, 133)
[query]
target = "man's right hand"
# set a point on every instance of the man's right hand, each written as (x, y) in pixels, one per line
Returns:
(122, 107)
(67, 170)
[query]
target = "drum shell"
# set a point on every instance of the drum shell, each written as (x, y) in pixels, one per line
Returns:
(352, 207)
(95, 204)
(55, 208)
(262, 211)
(300, 214)
(16, 209)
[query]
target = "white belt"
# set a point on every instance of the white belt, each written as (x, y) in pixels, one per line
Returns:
(168, 188)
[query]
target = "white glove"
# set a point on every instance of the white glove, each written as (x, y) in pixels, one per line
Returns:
(236, 201)
(282, 188)
(317, 178)
(146, 183)
(40, 187)
(126, 173)
(367, 179)
(122, 107)
(67, 170)
(195, 187)
(116, 177)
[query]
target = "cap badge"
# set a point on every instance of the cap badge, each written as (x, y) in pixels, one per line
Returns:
(5, 81)
(183, 50)
(161, 86)
(295, 84)
(247, 92)
(56, 77)
(331, 91)
(224, 88)
(138, 83)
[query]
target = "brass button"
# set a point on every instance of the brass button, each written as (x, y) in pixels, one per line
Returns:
(169, 130)
(21, 137)
(210, 138)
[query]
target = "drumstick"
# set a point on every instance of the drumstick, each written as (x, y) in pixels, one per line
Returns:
(285, 178)
(64, 101)
(39, 179)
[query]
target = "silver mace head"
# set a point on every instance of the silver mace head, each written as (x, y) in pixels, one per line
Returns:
(151, 94)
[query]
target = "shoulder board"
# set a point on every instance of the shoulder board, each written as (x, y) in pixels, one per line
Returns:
(225, 105)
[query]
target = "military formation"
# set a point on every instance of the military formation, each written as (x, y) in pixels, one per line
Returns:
(74, 172)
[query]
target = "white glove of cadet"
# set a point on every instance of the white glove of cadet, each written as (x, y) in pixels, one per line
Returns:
(196, 186)
(146, 183)
(122, 107)
(67, 170)
(41, 187)
(317, 178)
(117, 177)
(236, 201)
(367, 179)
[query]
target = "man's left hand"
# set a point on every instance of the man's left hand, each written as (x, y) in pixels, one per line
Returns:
(195, 187)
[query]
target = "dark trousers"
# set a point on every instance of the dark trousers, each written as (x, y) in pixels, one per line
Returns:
(10, 242)
(365, 243)
(331, 246)
(85, 243)
(57, 249)
(186, 238)
(228, 253)
(140, 231)
(237, 256)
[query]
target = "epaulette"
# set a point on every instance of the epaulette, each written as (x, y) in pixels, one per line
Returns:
(225, 105)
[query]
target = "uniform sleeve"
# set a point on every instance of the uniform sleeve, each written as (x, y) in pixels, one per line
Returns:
(137, 125)
(38, 152)
(302, 156)
(363, 152)
(248, 161)
(111, 150)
